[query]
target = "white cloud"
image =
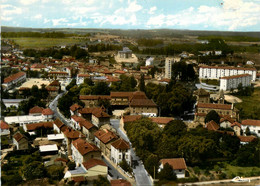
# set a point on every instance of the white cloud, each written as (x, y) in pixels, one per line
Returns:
(152, 9)
(232, 14)
(46, 21)
(57, 22)
(38, 16)
(27, 2)
(9, 11)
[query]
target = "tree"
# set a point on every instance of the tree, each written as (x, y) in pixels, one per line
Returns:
(142, 83)
(72, 84)
(101, 181)
(33, 170)
(212, 115)
(152, 164)
(248, 132)
(124, 165)
(55, 172)
(167, 173)
(89, 81)
(85, 91)
(175, 127)
(35, 91)
(101, 88)
(71, 165)
(44, 92)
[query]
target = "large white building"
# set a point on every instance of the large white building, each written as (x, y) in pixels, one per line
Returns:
(215, 72)
(14, 79)
(120, 150)
(232, 82)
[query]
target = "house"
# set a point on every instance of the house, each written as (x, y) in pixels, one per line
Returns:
(216, 72)
(59, 126)
(103, 139)
(120, 182)
(75, 120)
(35, 126)
(232, 82)
(48, 114)
(128, 118)
(202, 96)
(13, 80)
(88, 129)
(178, 165)
(74, 109)
(36, 111)
(92, 100)
(253, 125)
(237, 128)
(95, 167)
(140, 104)
(12, 102)
(83, 151)
(81, 77)
(202, 109)
(125, 53)
(20, 141)
(99, 118)
(70, 135)
(53, 91)
(246, 139)
(120, 150)
(4, 128)
(48, 149)
(226, 122)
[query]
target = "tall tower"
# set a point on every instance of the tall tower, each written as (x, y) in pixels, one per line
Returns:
(221, 99)
(168, 67)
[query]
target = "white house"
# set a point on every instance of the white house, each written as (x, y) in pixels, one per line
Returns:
(14, 80)
(215, 72)
(48, 114)
(149, 61)
(83, 151)
(4, 128)
(232, 82)
(12, 102)
(120, 149)
(80, 78)
(178, 165)
(20, 141)
(253, 125)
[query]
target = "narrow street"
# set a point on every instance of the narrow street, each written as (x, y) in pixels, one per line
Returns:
(141, 175)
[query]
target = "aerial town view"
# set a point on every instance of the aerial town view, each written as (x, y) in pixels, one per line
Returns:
(130, 92)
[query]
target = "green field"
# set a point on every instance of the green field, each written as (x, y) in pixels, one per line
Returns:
(250, 107)
(38, 43)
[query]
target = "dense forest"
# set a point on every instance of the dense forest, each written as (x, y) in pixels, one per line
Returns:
(35, 34)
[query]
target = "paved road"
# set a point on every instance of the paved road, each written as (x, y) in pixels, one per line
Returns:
(141, 175)
(53, 107)
(113, 172)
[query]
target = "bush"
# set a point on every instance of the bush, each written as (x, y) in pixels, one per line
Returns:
(185, 180)
(55, 172)
(11, 180)
(34, 170)
(222, 176)
(71, 165)
(124, 165)
(196, 170)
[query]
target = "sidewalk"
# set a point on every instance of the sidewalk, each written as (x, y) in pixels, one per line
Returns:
(131, 180)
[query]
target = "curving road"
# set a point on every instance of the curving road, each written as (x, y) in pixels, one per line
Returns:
(141, 175)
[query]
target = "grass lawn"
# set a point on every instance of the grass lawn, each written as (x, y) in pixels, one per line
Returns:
(233, 171)
(211, 82)
(250, 107)
(38, 43)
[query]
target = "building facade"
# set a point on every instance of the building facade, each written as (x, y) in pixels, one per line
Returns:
(232, 82)
(216, 72)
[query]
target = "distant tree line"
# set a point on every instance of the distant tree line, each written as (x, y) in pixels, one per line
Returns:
(35, 34)
(73, 51)
(103, 47)
(231, 38)
(149, 42)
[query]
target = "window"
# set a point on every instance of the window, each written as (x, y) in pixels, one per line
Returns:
(120, 156)
(258, 131)
(180, 170)
(126, 156)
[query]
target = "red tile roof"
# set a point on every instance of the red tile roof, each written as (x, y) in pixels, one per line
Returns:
(121, 144)
(131, 118)
(247, 138)
(176, 163)
(77, 118)
(58, 123)
(65, 73)
(74, 107)
(47, 111)
(52, 88)
(34, 126)
(55, 83)
(236, 124)
(78, 178)
(120, 182)
(227, 118)
(228, 67)
(121, 94)
(105, 136)
(212, 125)
(86, 124)
(18, 136)
(35, 110)
(84, 147)
(251, 122)
(93, 162)
(214, 106)
(142, 103)
(83, 75)
(99, 113)
(4, 125)
(14, 77)
(72, 134)
(161, 120)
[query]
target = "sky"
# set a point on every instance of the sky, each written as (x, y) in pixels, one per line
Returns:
(221, 15)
